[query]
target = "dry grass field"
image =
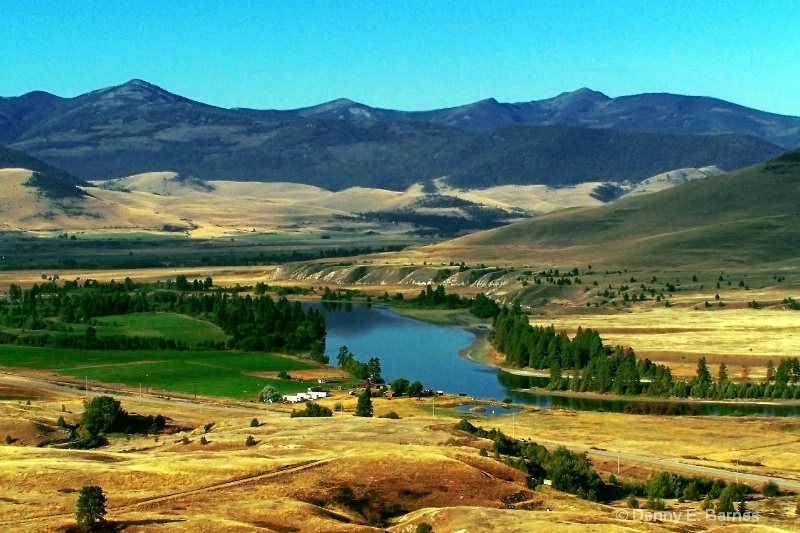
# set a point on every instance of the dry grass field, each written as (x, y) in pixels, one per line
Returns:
(22, 209)
(150, 201)
(344, 473)
(744, 339)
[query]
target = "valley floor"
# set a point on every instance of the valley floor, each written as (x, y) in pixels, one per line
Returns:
(353, 474)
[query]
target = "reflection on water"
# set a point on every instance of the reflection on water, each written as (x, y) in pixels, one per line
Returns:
(429, 353)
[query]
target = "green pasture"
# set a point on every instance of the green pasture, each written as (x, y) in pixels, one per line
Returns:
(210, 373)
(169, 325)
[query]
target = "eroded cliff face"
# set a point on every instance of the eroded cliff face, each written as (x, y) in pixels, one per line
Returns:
(360, 274)
(503, 285)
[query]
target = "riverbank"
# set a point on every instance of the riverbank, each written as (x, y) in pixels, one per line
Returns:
(658, 399)
(479, 351)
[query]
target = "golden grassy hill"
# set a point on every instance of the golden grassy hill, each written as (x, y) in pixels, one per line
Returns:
(342, 474)
(29, 209)
(743, 218)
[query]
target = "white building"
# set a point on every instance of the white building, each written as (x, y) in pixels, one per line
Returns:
(304, 396)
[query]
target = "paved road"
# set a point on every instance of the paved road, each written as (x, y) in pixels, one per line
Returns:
(707, 471)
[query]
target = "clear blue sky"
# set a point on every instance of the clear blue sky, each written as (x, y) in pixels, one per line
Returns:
(409, 55)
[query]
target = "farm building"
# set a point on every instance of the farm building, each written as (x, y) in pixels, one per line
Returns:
(304, 396)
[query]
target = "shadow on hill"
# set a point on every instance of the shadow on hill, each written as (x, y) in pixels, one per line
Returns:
(373, 508)
(115, 526)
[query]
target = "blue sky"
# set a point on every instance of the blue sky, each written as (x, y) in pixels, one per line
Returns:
(409, 55)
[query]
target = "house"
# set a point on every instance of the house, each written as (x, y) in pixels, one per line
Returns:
(304, 396)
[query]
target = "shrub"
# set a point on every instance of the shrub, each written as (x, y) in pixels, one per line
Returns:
(9, 440)
(424, 527)
(338, 407)
(270, 394)
(312, 410)
(203, 440)
(207, 427)
(483, 453)
(771, 489)
(250, 441)
(60, 422)
(392, 415)
(254, 423)
(185, 440)
(655, 504)
(708, 503)
(612, 479)
(632, 502)
(691, 492)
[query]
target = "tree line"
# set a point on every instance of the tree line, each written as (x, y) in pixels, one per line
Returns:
(584, 364)
(429, 298)
(253, 323)
(572, 472)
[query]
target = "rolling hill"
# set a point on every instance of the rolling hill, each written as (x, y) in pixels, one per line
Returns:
(746, 217)
(137, 127)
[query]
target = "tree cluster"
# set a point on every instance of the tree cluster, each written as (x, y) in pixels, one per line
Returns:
(572, 472)
(569, 471)
(370, 370)
(103, 415)
(414, 389)
(594, 367)
(481, 306)
(312, 409)
(254, 324)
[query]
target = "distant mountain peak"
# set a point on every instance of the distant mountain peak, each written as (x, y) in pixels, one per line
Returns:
(137, 90)
(583, 100)
(341, 108)
(587, 91)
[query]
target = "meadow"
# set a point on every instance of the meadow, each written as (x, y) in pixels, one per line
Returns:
(228, 374)
(170, 325)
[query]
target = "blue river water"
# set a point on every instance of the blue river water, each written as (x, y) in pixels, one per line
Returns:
(429, 353)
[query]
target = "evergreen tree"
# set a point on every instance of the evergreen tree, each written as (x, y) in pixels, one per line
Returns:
(344, 356)
(91, 508)
(374, 370)
(364, 405)
(702, 379)
(770, 371)
(722, 375)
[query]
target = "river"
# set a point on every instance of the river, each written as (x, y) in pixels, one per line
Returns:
(429, 353)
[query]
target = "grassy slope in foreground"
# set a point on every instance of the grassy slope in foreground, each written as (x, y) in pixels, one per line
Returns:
(750, 216)
(226, 374)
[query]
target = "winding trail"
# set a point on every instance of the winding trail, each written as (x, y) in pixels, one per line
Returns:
(286, 470)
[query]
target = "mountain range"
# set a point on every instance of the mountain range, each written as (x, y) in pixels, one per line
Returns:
(572, 138)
